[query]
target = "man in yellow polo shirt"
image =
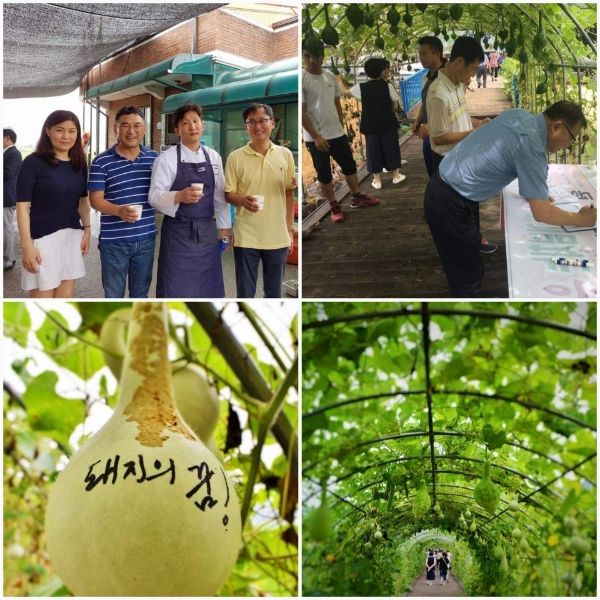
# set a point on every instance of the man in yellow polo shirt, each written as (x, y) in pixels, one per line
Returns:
(259, 182)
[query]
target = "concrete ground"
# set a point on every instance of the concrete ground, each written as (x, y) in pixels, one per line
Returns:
(90, 286)
(420, 587)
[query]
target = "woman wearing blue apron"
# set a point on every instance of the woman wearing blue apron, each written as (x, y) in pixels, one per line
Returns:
(189, 260)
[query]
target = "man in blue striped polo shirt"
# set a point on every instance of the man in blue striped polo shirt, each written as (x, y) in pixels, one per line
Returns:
(118, 184)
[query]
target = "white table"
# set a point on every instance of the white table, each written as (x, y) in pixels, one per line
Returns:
(530, 245)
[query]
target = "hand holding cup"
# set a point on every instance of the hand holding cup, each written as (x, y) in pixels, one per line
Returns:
(191, 194)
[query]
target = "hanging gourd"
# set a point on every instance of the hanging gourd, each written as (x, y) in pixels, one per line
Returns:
(392, 17)
(421, 500)
(354, 14)
(486, 494)
(368, 18)
(379, 43)
(422, 7)
(523, 58)
(320, 521)
(143, 508)
(407, 17)
(539, 40)
(513, 505)
(329, 35)
(542, 87)
(456, 11)
(312, 42)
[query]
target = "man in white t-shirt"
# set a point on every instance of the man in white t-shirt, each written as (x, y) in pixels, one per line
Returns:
(447, 111)
(324, 134)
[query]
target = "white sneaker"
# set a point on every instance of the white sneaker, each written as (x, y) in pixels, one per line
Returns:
(399, 178)
(377, 184)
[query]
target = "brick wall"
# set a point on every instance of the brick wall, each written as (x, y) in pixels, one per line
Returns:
(285, 43)
(217, 30)
(176, 41)
(221, 31)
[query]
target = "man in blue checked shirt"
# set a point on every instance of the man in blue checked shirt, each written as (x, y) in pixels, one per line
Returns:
(513, 146)
(119, 182)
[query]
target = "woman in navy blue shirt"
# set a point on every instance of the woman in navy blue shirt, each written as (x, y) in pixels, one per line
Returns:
(53, 209)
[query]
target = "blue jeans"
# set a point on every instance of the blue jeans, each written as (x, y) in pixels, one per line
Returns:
(246, 271)
(122, 259)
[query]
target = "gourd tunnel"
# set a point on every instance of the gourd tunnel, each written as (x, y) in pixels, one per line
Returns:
(469, 428)
(551, 48)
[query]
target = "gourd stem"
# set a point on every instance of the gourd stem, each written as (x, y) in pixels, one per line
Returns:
(270, 415)
(147, 360)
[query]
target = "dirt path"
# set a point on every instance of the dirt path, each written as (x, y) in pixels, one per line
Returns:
(420, 587)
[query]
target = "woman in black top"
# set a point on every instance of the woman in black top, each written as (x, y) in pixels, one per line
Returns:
(430, 563)
(378, 121)
(53, 208)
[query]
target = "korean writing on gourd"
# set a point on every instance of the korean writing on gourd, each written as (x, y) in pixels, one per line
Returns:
(115, 468)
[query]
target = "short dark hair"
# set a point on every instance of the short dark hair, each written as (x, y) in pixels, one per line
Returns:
(467, 48)
(566, 111)
(129, 110)
(434, 43)
(44, 146)
(313, 46)
(256, 106)
(11, 134)
(186, 108)
(374, 67)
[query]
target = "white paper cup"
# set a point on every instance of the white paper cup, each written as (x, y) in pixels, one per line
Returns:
(138, 209)
(260, 201)
(198, 186)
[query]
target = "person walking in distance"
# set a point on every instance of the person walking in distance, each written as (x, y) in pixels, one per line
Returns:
(322, 123)
(443, 564)
(430, 563)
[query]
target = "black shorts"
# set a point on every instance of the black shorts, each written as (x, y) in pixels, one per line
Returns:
(339, 150)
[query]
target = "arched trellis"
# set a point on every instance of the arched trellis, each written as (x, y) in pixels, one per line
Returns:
(540, 498)
(469, 22)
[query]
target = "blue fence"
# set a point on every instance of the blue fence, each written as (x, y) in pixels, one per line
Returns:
(410, 89)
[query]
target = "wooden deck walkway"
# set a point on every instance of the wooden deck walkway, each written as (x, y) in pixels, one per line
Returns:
(387, 251)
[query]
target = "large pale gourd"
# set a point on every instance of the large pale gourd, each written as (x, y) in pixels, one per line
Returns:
(144, 509)
(197, 400)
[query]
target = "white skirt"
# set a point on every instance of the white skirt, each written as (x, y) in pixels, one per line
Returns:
(61, 260)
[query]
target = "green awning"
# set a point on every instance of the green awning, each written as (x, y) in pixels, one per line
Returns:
(170, 71)
(260, 89)
(280, 66)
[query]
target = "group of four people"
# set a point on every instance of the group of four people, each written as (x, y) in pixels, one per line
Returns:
(129, 182)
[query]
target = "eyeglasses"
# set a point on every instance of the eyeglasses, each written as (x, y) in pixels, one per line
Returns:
(573, 138)
(257, 122)
(128, 126)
